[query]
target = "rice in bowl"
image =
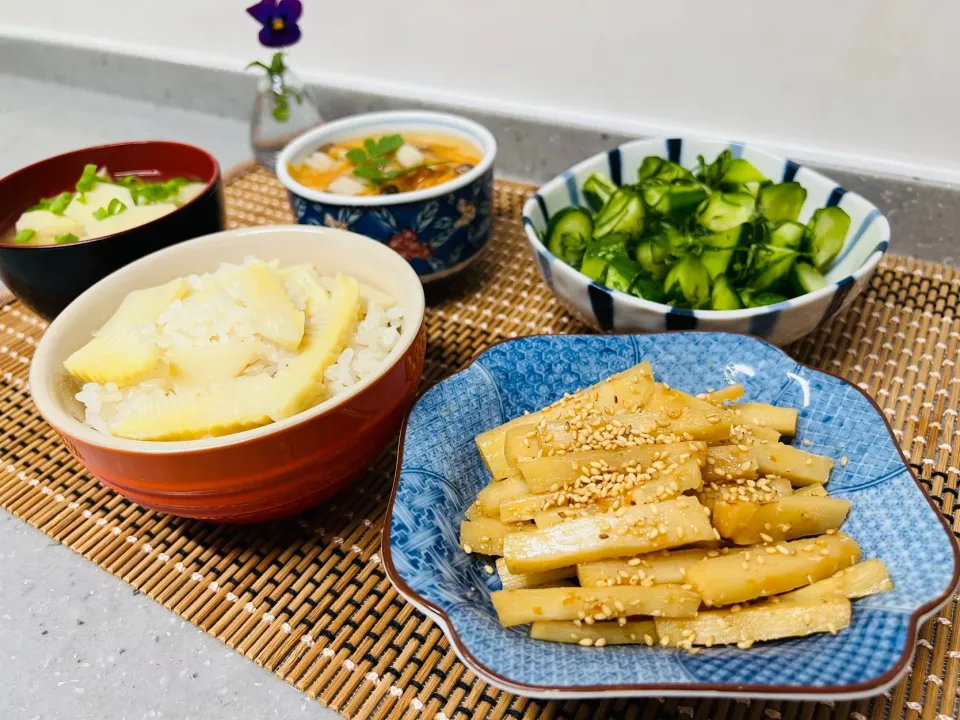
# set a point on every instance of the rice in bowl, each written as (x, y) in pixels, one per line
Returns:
(244, 346)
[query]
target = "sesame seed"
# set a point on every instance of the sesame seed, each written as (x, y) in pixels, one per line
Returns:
(600, 642)
(489, 569)
(648, 639)
(467, 549)
(585, 642)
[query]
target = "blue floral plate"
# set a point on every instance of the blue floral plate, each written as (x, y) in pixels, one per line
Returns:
(440, 472)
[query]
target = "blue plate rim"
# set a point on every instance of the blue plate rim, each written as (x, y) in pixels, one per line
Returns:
(850, 691)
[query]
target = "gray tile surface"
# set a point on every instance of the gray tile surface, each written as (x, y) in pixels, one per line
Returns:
(76, 643)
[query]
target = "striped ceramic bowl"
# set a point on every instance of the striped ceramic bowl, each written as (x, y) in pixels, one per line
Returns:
(782, 323)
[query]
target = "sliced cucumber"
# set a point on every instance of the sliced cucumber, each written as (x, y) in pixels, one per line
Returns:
(649, 167)
(724, 297)
(648, 288)
(725, 211)
(788, 234)
(806, 278)
(828, 230)
(597, 190)
(654, 192)
(716, 262)
(741, 172)
(622, 273)
(656, 167)
(677, 199)
(568, 233)
(758, 299)
(623, 213)
(599, 253)
(728, 239)
(783, 201)
(687, 283)
(770, 266)
(646, 256)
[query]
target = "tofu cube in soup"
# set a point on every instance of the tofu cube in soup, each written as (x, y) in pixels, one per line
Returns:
(408, 156)
(346, 186)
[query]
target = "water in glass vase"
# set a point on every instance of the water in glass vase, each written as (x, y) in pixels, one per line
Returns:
(282, 111)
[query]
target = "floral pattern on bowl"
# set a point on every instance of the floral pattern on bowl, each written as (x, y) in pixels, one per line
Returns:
(441, 471)
(436, 236)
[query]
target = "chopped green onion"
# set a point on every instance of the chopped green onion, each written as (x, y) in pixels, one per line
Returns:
(66, 238)
(115, 207)
(25, 235)
(88, 179)
(60, 203)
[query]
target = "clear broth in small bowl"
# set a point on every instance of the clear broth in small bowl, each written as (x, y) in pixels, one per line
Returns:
(386, 164)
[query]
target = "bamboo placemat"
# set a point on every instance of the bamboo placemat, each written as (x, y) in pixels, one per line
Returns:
(308, 600)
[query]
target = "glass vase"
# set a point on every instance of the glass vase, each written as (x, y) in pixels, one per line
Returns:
(283, 110)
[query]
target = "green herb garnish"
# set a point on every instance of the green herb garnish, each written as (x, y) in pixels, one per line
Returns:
(66, 238)
(152, 192)
(115, 207)
(25, 235)
(88, 179)
(56, 204)
(372, 159)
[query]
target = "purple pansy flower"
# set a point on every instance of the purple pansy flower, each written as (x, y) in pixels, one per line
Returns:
(279, 20)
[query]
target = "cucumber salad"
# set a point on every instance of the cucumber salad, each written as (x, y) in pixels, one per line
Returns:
(722, 238)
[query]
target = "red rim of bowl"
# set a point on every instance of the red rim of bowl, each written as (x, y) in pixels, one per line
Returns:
(208, 184)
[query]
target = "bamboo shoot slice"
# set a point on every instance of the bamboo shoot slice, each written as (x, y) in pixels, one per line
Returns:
(628, 391)
(491, 497)
(729, 462)
(798, 466)
(549, 474)
(869, 577)
(786, 519)
(816, 490)
(513, 581)
(571, 504)
(765, 621)
(781, 419)
(516, 607)
(730, 393)
(658, 568)
(632, 632)
(770, 570)
(639, 529)
(485, 535)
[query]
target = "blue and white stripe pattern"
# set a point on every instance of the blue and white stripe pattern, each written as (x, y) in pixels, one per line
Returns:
(610, 310)
(441, 473)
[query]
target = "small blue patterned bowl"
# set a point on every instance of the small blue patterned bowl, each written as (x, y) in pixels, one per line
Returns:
(780, 324)
(439, 230)
(892, 518)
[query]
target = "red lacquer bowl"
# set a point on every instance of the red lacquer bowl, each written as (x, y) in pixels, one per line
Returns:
(47, 278)
(264, 474)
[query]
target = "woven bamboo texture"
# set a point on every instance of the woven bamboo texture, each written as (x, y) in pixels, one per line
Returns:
(308, 600)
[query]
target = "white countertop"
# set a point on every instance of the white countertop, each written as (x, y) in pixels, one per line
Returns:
(75, 641)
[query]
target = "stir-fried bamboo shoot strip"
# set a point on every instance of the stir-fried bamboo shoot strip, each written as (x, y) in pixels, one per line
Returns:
(485, 535)
(628, 391)
(605, 492)
(798, 466)
(781, 419)
(766, 570)
(765, 490)
(630, 632)
(731, 393)
(747, 625)
(869, 577)
(550, 474)
(729, 462)
(789, 518)
(498, 492)
(652, 569)
(628, 531)
(513, 581)
(816, 490)
(516, 607)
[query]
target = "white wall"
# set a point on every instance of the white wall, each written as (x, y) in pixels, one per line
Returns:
(864, 83)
